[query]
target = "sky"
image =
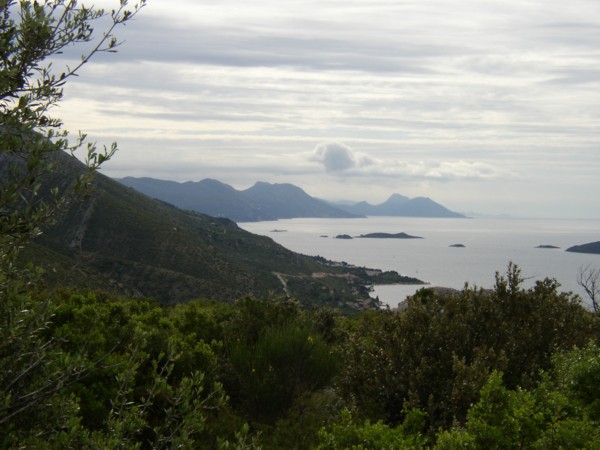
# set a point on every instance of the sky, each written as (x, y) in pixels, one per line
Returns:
(486, 106)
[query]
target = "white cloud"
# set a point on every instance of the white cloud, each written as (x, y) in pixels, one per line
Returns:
(341, 160)
(337, 157)
(466, 170)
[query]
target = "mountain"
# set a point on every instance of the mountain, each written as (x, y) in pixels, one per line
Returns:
(399, 205)
(207, 196)
(263, 201)
(266, 201)
(286, 201)
(123, 241)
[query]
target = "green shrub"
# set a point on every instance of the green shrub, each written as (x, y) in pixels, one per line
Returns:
(282, 365)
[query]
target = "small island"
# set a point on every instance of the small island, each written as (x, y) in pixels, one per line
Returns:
(389, 236)
(457, 245)
(547, 246)
(592, 247)
(343, 236)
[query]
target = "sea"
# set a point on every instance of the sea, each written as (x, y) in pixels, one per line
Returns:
(487, 246)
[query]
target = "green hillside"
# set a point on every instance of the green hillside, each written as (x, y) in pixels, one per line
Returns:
(120, 240)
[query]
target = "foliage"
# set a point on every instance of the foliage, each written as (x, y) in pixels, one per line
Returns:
(34, 368)
(140, 380)
(347, 434)
(438, 351)
(554, 414)
(142, 374)
(274, 357)
(577, 375)
(282, 365)
(300, 426)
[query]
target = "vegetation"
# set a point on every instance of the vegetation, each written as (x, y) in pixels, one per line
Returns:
(499, 369)
(88, 368)
(118, 239)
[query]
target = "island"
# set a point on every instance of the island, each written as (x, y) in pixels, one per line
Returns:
(343, 236)
(547, 246)
(592, 247)
(389, 236)
(457, 245)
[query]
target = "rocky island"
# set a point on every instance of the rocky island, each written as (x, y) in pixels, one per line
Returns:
(389, 236)
(547, 246)
(592, 247)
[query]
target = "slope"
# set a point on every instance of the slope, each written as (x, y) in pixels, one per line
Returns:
(120, 240)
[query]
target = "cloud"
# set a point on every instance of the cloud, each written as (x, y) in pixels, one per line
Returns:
(465, 170)
(444, 171)
(337, 157)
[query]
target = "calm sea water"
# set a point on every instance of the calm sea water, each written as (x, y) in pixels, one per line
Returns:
(490, 244)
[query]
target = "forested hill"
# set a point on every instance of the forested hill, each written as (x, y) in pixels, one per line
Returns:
(121, 240)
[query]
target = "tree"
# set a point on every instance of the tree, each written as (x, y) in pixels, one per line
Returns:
(561, 411)
(348, 434)
(437, 352)
(32, 34)
(589, 279)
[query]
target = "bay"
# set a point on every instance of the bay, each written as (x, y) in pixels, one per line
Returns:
(489, 245)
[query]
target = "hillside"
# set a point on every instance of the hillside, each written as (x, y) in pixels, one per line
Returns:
(401, 206)
(263, 201)
(123, 241)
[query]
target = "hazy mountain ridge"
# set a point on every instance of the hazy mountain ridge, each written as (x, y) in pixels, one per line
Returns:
(207, 196)
(266, 201)
(399, 205)
(263, 201)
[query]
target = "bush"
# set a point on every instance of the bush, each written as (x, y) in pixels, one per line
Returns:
(438, 351)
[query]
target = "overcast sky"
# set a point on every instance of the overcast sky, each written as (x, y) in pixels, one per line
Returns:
(490, 106)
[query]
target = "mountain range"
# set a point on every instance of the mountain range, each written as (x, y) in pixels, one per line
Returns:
(399, 205)
(120, 240)
(263, 201)
(266, 201)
